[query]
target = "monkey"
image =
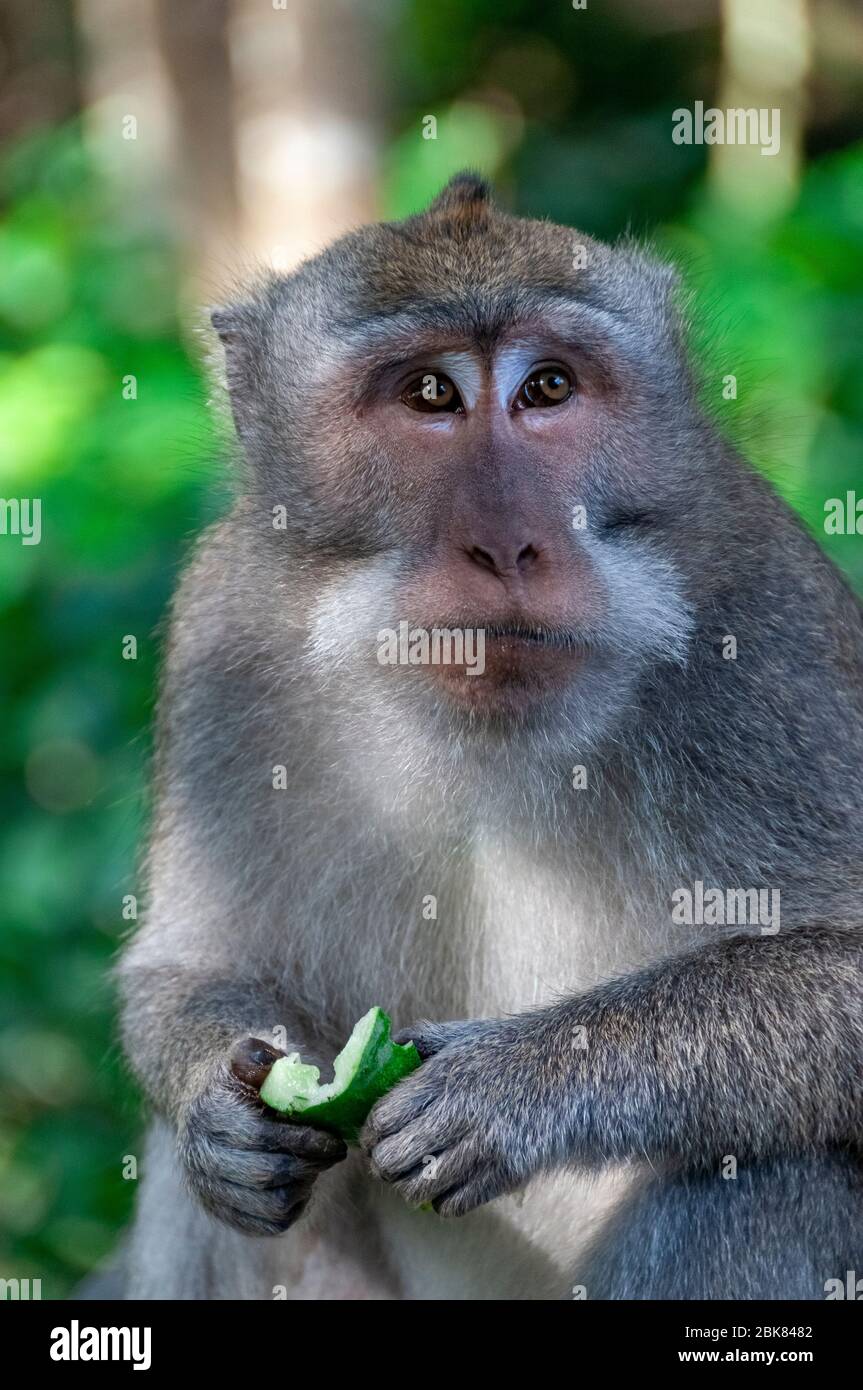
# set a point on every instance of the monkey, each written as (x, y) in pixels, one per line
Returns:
(453, 421)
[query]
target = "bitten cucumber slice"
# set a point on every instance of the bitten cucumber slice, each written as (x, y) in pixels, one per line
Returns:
(368, 1066)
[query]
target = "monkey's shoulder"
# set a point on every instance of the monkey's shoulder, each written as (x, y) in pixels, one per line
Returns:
(232, 639)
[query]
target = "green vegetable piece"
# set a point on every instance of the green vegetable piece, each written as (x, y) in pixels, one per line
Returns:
(368, 1066)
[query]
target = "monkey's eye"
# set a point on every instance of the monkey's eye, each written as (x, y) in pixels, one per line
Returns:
(432, 392)
(548, 384)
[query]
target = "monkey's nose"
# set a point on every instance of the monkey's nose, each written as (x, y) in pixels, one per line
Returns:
(504, 559)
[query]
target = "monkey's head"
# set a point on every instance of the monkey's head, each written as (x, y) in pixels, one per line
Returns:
(473, 422)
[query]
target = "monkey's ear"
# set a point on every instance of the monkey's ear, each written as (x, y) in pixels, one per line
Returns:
(234, 367)
(463, 207)
(464, 190)
(229, 321)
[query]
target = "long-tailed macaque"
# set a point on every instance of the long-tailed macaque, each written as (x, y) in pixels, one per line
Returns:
(609, 877)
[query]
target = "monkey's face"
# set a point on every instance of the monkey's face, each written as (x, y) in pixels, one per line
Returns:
(471, 437)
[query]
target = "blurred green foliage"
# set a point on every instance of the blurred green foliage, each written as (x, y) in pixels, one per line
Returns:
(580, 134)
(85, 303)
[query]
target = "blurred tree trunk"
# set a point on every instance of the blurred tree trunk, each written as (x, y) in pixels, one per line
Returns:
(194, 42)
(766, 61)
(129, 114)
(38, 65)
(257, 122)
(306, 85)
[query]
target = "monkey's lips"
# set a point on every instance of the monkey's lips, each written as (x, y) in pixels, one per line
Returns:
(517, 666)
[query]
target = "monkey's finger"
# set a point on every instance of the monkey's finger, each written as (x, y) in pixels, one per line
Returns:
(439, 1174)
(458, 1201)
(226, 1119)
(429, 1038)
(255, 1169)
(285, 1136)
(251, 1060)
(261, 1226)
(270, 1205)
(256, 1213)
(405, 1103)
(431, 1134)
(400, 1153)
(317, 1145)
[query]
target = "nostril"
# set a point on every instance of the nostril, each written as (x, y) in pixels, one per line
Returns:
(506, 560)
(527, 557)
(483, 558)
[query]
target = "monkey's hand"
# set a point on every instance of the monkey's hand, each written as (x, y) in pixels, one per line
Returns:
(246, 1165)
(469, 1125)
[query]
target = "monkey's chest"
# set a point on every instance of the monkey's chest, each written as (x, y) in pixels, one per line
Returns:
(506, 930)
(523, 1248)
(537, 930)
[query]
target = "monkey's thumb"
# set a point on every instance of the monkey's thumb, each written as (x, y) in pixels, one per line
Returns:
(251, 1060)
(429, 1038)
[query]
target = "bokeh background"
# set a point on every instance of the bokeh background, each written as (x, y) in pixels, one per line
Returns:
(154, 151)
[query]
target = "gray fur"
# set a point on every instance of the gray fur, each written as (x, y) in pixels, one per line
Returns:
(781, 1230)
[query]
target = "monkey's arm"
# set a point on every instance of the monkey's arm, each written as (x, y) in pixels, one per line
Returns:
(746, 1047)
(196, 1005)
(181, 1024)
(190, 1037)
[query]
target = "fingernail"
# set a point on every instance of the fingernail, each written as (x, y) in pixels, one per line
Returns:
(252, 1059)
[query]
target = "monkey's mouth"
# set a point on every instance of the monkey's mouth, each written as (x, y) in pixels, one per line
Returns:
(511, 666)
(513, 634)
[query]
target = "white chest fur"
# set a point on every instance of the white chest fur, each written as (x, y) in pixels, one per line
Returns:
(543, 930)
(531, 932)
